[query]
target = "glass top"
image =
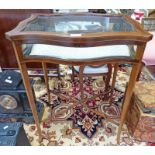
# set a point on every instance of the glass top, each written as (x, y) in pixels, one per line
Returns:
(75, 24)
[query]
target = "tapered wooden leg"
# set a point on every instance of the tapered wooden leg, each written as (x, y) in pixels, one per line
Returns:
(107, 81)
(81, 81)
(127, 99)
(30, 96)
(44, 66)
(129, 91)
(23, 70)
(113, 81)
(73, 73)
(58, 72)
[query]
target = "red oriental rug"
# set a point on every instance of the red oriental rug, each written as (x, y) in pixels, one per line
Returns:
(67, 123)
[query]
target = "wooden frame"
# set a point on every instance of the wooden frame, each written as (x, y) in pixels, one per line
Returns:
(139, 37)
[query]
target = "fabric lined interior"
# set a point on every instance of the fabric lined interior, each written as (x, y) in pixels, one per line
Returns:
(81, 53)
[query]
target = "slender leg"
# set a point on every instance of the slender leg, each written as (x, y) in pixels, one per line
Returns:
(73, 74)
(129, 91)
(107, 81)
(30, 96)
(81, 82)
(44, 66)
(23, 69)
(58, 72)
(113, 81)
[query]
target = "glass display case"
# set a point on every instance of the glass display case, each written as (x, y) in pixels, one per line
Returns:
(79, 39)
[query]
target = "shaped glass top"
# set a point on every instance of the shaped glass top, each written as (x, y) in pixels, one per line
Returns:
(77, 37)
(79, 30)
(79, 24)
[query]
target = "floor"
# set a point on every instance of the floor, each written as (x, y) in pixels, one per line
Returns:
(81, 127)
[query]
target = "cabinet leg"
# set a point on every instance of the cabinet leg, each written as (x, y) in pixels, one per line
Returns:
(46, 80)
(113, 81)
(129, 90)
(127, 99)
(30, 96)
(81, 82)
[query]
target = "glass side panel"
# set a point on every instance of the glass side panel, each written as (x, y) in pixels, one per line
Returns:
(79, 24)
(77, 53)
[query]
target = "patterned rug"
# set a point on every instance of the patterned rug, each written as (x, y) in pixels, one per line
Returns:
(67, 122)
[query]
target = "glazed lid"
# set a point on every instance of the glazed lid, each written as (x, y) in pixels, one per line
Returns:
(80, 29)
